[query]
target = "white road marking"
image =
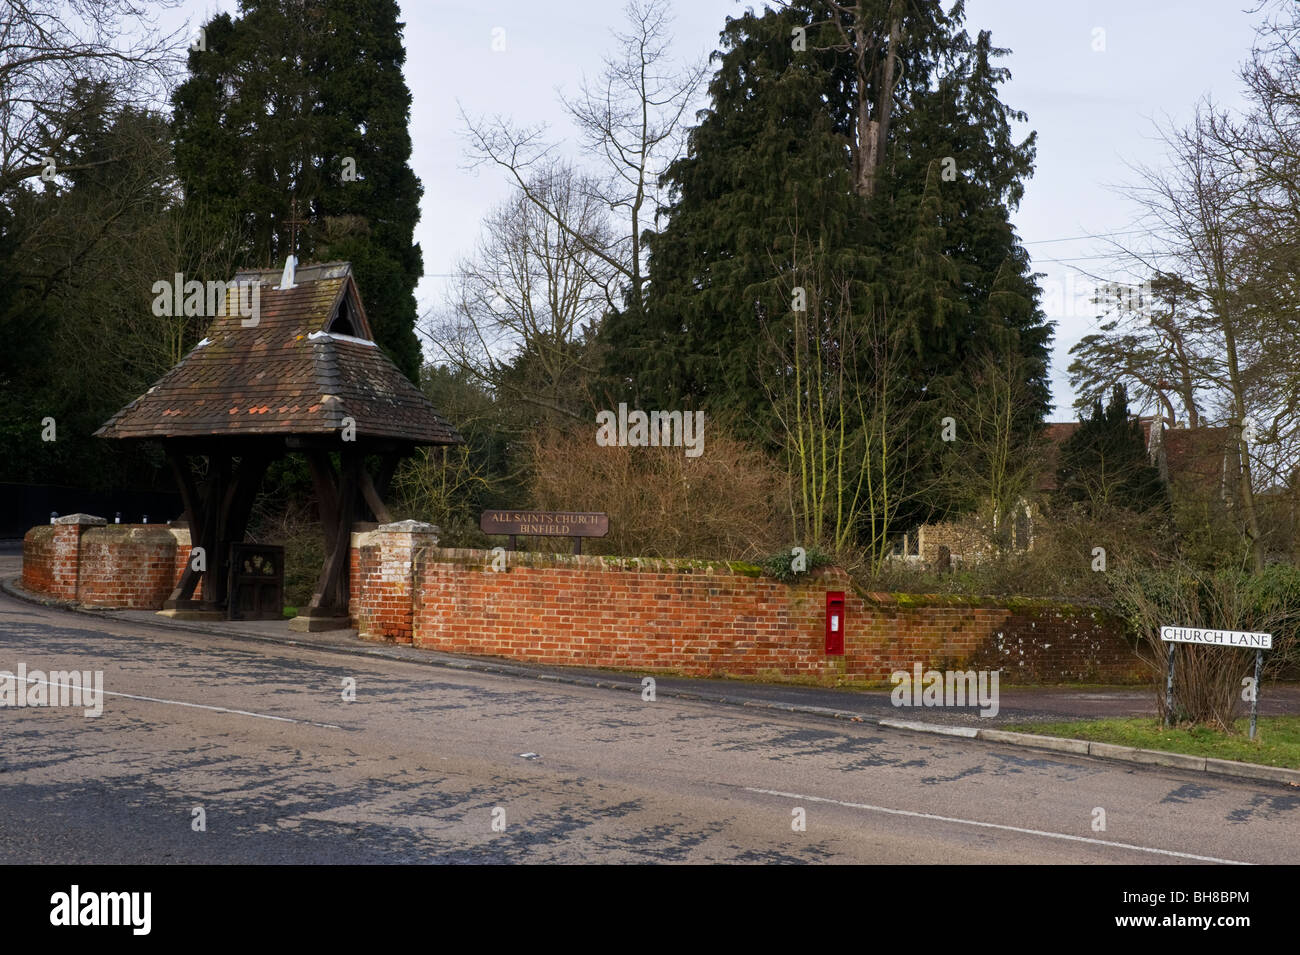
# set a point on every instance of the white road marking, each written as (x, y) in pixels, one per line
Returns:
(197, 706)
(994, 825)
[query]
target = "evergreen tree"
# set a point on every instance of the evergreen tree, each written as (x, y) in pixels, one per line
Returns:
(929, 245)
(77, 260)
(306, 101)
(1105, 463)
(767, 160)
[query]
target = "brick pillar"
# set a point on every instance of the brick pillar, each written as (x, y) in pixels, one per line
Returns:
(52, 555)
(384, 583)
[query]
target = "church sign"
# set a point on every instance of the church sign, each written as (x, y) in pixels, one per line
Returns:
(575, 524)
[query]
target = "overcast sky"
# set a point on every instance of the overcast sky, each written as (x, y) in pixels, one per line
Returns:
(1094, 110)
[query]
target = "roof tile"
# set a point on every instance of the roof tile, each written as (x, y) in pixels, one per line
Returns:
(267, 371)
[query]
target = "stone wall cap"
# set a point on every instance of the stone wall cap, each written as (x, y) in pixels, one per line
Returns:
(134, 531)
(89, 519)
(410, 527)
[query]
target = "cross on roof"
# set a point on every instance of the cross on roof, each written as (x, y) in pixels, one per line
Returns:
(293, 222)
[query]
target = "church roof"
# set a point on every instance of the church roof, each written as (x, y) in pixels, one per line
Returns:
(308, 362)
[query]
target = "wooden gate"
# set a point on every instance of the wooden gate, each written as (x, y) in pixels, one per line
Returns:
(256, 590)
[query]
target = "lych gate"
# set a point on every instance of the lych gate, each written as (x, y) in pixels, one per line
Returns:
(301, 374)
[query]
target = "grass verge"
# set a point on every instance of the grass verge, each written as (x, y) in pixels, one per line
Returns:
(1276, 743)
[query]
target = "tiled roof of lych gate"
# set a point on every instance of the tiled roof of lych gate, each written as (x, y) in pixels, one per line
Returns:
(286, 375)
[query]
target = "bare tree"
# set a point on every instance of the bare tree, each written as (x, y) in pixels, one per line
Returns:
(631, 117)
(991, 465)
(51, 48)
(833, 375)
(1222, 217)
(1264, 147)
(1146, 346)
(1199, 214)
(526, 303)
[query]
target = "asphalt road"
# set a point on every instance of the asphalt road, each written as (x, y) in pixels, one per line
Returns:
(428, 765)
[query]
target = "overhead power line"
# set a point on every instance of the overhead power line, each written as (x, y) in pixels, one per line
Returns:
(1077, 238)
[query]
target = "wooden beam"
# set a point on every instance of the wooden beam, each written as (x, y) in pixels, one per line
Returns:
(325, 482)
(388, 462)
(243, 493)
(214, 578)
(331, 596)
(180, 466)
(373, 500)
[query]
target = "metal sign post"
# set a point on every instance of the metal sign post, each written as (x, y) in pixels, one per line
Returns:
(1254, 698)
(1169, 689)
(1217, 638)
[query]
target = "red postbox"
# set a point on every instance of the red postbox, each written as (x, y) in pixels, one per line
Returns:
(835, 623)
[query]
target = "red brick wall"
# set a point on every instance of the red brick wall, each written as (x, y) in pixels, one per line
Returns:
(131, 566)
(687, 617)
(1031, 642)
(117, 565)
(50, 560)
(699, 619)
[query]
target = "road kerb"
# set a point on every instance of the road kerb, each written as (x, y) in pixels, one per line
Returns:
(1056, 743)
(969, 732)
(1154, 757)
(1276, 774)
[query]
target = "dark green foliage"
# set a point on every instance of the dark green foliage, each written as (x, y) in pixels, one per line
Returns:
(763, 156)
(286, 101)
(78, 256)
(781, 565)
(766, 192)
(1105, 463)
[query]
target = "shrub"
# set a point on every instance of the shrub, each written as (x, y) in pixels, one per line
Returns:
(1207, 679)
(781, 564)
(725, 503)
(444, 487)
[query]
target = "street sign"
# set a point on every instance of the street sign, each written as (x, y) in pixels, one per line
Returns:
(1218, 638)
(1244, 639)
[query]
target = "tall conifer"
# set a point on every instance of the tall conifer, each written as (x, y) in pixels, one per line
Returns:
(306, 101)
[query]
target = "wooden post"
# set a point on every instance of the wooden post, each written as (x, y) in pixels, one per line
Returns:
(373, 499)
(236, 510)
(331, 596)
(180, 465)
(388, 462)
(214, 506)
